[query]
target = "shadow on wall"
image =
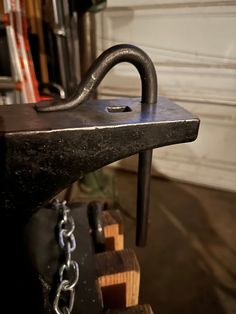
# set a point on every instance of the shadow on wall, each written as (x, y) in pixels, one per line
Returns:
(187, 266)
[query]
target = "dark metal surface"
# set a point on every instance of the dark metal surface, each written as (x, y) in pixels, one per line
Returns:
(95, 216)
(143, 184)
(90, 5)
(41, 154)
(33, 257)
(62, 33)
(53, 90)
(87, 39)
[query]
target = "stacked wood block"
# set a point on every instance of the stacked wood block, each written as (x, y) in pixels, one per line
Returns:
(113, 230)
(139, 309)
(118, 270)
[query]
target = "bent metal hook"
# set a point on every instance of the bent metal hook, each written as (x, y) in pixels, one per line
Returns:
(95, 74)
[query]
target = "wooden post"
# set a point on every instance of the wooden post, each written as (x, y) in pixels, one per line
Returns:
(113, 230)
(139, 309)
(119, 278)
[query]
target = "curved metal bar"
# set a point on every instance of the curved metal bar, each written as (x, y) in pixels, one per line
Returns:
(95, 74)
(54, 86)
(145, 67)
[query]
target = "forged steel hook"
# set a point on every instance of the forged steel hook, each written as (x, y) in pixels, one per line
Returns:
(107, 60)
(95, 74)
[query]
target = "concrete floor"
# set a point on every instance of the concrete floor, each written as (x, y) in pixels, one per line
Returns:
(189, 264)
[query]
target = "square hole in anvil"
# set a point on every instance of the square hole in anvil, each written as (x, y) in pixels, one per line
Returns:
(118, 109)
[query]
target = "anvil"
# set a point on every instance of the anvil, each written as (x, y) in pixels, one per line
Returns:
(45, 147)
(41, 154)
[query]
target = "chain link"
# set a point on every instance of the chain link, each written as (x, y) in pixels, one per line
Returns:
(69, 270)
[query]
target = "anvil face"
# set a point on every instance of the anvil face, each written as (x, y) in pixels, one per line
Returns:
(43, 153)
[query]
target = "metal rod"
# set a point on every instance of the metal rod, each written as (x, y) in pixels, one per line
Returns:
(60, 35)
(143, 192)
(87, 38)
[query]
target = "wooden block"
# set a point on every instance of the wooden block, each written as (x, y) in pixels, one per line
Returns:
(139, 309)
(119, 278)
(113, 230)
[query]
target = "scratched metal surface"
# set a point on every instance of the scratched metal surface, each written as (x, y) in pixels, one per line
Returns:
(55, 149)
(92, 114)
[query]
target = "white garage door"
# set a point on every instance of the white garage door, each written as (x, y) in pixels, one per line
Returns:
(193, 46)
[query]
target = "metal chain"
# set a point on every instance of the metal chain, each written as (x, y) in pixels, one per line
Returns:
(69, 270)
